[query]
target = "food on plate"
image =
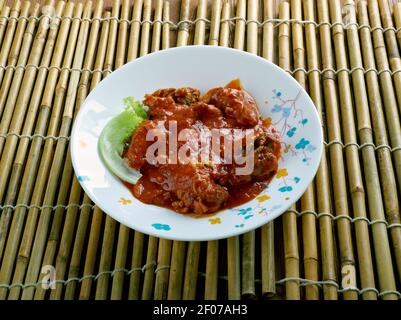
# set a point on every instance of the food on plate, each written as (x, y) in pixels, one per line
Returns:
(195, 153)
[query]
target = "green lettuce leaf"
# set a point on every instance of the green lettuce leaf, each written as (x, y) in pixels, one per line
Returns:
(114, 136)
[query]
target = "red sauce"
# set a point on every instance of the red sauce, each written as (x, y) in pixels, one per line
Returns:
(239, 195)
(203, 187)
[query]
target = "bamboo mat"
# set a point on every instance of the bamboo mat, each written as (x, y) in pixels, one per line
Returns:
(342, 240)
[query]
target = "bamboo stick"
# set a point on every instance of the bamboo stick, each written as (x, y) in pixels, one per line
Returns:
(33, 268)
(389, 184)
(6, 110)
(122, 34)
(27, 83)
(106, 256)
(191, 271)
(397, 18)
(54, 237)
(149, 276)
(225, 26)
(16, 49)
(391, 112)
(122, 244)
(212, 270)
(248, 239)
(163, 256)
(357, 190)
(163, 270)
(24, 116)
(239, 37)
(289, 218)
(166, 26)
(176, 270)
(200, 27)
(70, 215)
(135, 27)
(311, 260)
(215, 23)
(392, 51)
(28, 181)
(74, 267)
(10, 31)
(183, 30)
(322, 177)
(10, 197)
(375, 202)
(267, 231)
(145, 32)
(6, 159)
(4, 12)
(97, 218)
(347, 261)
(393, 55)
(49, 91)
(157, 26)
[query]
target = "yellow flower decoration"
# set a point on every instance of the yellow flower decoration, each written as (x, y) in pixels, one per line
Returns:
(215, 220)
(124, 201)
(287, 148)
(281, 173)
(263, 198)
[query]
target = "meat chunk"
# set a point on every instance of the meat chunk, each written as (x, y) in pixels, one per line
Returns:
(136, 151)
(190, 188)
(235, 103)
(186, 95)
(166, 109)
(209, 115)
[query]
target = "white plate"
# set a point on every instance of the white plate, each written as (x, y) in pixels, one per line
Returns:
(279, 97)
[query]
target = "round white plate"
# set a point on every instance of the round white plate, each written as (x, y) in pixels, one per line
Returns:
(279, 98)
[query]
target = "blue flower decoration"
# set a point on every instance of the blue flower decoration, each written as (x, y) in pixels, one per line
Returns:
(239, 225)
(248, 217)
(302, 144)
(304, 121)
(285, 189)
(291, 132)
(159, 226)
(311, 148)
(276, 108)
(83, 178)
(243, 212)
(296, 179)
(286, 112)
